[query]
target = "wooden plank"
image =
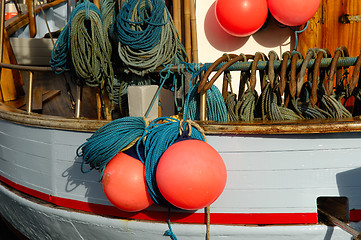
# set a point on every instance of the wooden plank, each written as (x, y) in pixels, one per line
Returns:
(32, 22)
(336, 34)
(312, 36)
(37, 105)
(47, 95)
(19, 103)
(325, 30)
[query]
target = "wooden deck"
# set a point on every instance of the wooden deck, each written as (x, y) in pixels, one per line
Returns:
(60, 104)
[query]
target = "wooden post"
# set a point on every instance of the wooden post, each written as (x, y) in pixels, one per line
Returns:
(32, 23)
(2, 27)
(194, 32)
(177, 17)
(187, 29)
(203, 106)
(29, 102)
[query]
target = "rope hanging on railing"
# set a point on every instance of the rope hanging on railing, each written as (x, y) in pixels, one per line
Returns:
(82, 47)
(146, 36)
(313, 98)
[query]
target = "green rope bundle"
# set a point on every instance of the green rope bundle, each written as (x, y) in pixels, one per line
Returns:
(147, 36)
(89, 53)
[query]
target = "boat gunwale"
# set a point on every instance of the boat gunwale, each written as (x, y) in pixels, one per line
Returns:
(211, 128)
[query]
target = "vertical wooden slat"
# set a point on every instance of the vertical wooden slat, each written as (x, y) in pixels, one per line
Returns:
(32, 23)
(187, 29)
(194, 32)
(2, 27)
(177, 17)
(37, 100)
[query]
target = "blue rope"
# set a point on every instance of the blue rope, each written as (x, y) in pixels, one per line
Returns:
(60, 55)
(146, 36)
(60, 52)
(133, 32)
(163, 79)
(170, 232)
(195, 71)
(157, 137)
(109, 140)
(216, 107)
(296, 35)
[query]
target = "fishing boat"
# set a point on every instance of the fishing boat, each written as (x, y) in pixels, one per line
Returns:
(286, 179)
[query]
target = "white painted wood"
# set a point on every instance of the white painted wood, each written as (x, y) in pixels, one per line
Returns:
(268, 143)
(271, 177)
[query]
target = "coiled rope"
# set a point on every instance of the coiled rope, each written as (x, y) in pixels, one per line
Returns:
(82, 47)
(151, 141)
(89, 53)
(147, 36)
(216, 108)
(118, 135)
(327, 97)
(271, 109)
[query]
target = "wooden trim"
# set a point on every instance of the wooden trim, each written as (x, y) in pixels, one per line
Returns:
(283, 127)
(211, 128)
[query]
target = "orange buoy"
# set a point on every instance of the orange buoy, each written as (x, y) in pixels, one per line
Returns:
(241, 18)
(191, 174)
(124, 183)
(293, 12)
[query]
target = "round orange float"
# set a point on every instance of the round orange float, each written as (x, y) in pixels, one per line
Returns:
(191, 174)
(241, 18)
(293, 12)
(124, 183)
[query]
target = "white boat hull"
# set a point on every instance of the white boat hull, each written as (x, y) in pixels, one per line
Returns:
(273, 185)
(39, 221)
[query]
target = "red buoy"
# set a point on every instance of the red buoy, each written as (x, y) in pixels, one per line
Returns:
(293, 12)
(241, 18)
(191, 174)
(124, 183)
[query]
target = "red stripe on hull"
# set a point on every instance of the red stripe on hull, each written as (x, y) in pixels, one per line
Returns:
(180, 217)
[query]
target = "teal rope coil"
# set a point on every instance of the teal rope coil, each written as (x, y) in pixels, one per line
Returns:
(60, 52)
(216, 107)
(151, 142)
(90, 56)
(147, 36)
(107, 10)
(82, 47)
(108, 140)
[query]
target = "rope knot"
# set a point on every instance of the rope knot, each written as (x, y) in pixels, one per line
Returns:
(185, 126)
